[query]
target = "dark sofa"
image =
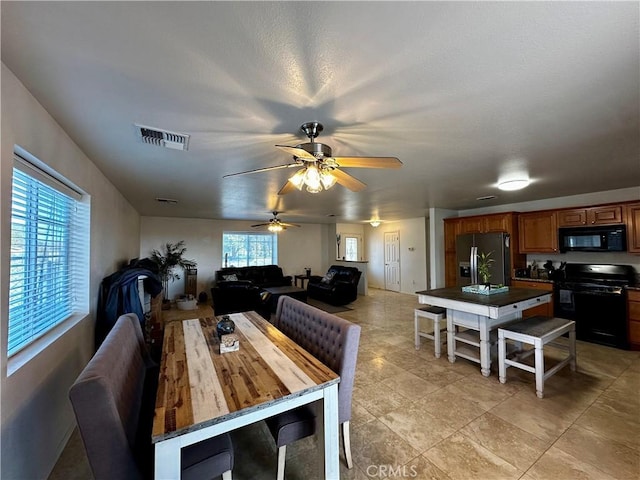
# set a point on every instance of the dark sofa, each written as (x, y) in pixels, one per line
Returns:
(263, 276)
(239, 289)
(339, 285)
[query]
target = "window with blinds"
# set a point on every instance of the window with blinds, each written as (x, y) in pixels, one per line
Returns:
(48, 279)
(243, 249)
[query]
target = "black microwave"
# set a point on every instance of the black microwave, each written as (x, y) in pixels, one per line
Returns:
(610, 238)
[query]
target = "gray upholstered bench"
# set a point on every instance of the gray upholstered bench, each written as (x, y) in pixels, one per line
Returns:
(113, 400)
(436, 315)
(536, 331)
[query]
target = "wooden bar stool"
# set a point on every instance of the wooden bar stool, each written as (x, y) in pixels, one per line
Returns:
(436, 315)
(536, 331)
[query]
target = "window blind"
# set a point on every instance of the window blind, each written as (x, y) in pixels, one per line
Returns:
(49, 255)
(242, 249)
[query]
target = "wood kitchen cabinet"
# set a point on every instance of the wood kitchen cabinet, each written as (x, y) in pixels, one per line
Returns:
(451, 231)
(633, 227)
(633, 320)
(492, 223)
(538, 232)
(602, 215)
(546, 309)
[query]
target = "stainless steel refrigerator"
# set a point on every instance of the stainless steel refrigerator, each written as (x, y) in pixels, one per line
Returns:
(469, 246)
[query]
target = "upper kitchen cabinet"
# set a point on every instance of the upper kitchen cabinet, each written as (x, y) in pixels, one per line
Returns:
(633, 227)
(602, 215)
(538, 232)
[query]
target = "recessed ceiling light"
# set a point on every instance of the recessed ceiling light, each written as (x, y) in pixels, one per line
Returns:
(516, 184)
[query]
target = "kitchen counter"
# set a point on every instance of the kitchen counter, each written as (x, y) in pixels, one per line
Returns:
(495, 301)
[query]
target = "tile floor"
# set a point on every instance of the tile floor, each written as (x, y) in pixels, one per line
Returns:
(418, 417)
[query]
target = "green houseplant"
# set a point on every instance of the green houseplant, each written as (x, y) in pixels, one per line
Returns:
(167, 261)
(484, 264)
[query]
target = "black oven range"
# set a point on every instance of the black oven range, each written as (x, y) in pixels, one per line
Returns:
(595, 297)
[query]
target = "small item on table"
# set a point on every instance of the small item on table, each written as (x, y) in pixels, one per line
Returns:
(225, 326)
(229, 343)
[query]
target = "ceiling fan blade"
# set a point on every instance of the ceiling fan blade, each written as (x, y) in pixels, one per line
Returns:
(368, 162)
(260, 225)
(266, 169)
(287, 188)
(346, 180)
(288, 224)
(297, 152)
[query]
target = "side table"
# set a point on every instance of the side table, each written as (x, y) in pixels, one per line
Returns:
(302, 278)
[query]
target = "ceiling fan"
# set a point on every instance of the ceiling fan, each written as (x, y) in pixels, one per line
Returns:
(318, 169)
(274, 224)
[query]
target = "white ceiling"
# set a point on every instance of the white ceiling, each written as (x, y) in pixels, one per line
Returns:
(462, 92)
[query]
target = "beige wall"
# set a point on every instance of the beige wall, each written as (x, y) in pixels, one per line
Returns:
(413, 263)
(36, 414)
(298, 247)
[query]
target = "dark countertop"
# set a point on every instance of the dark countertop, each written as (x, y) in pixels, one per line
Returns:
(514, 295)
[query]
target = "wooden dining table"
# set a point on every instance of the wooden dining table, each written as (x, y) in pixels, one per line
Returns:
(203, 393)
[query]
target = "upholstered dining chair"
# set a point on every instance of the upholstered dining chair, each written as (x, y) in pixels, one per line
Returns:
(113, 401)
(332, 340)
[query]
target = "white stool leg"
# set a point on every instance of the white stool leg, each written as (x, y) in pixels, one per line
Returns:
(416, 321)
(436, 338)
(572, 349)
(539, 356)
(502, 355)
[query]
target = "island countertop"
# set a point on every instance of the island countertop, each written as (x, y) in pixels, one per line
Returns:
(514, 295)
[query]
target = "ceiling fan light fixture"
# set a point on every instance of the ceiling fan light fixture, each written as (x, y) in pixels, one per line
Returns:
(275, 228)
(312, 179)
(374, 223)
(327, 179)
(297, 179)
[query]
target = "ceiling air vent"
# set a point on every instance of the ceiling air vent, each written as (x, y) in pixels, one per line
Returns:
(163, 138)
(166, 200)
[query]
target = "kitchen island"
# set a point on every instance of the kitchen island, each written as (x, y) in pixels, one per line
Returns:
(481, 314)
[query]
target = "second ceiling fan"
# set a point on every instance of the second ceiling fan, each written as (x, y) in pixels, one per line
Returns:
(318, 169)
(275, 224)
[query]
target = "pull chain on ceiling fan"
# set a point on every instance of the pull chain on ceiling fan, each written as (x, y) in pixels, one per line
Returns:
(318, 169)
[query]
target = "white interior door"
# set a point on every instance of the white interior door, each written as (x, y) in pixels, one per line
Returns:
(392, 261)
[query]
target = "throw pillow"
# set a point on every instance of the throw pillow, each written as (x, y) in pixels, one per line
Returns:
(230, 278)
(328, 277)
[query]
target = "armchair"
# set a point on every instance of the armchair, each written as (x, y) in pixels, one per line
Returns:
(339, 285)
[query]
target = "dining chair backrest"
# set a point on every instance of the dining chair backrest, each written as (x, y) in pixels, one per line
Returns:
(329, 338)
(107, 398)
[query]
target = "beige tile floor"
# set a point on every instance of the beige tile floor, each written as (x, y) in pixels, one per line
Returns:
(418, 417)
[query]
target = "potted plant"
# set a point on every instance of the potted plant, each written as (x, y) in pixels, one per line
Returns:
(484, 264)
(167, 261)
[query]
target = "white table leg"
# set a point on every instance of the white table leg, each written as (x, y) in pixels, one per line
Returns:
(167, 459)
(485, 349)
(450, 340)
(329, 435)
